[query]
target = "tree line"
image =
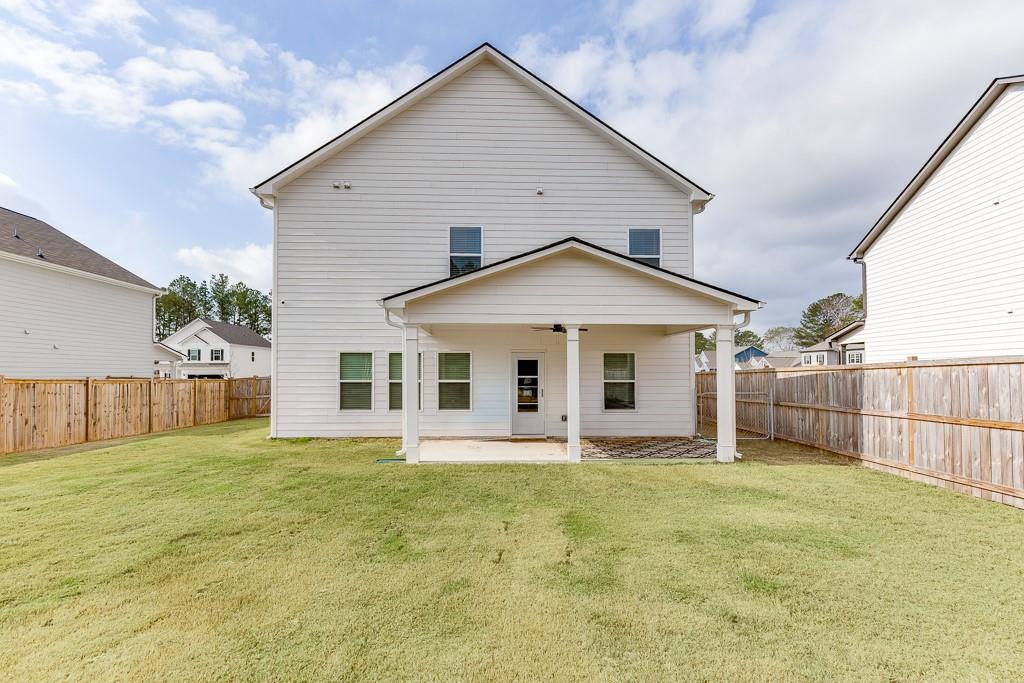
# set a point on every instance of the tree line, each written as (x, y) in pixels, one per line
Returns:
(820, 319)
(185, 300)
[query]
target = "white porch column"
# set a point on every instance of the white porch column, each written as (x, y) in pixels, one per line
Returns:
(725, 377)
(572, 374)
(410, 394)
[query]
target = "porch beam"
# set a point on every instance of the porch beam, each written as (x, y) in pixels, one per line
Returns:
(572, 373)
(725, 377)
(410, 394)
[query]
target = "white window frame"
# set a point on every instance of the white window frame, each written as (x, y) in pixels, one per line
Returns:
(213, 354)
(373, 384)
(819, 359)
(808, 359)
(635, 380)
(450, 253)
(438, 382)
(197, 359)
(399, 382)
(629, 250)
(860, 357)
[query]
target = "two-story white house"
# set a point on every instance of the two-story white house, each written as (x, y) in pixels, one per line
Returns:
(67, 311)
(211, 349)
(485, 258)
(942, 265)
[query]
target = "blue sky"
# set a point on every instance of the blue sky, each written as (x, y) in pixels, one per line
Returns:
(138, 125)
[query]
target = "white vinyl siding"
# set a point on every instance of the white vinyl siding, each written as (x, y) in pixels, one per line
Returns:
(56, 324)
(944, 280)
(473, 154)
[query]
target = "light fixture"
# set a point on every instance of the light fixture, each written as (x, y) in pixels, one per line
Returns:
(338, 184)
(540, 190)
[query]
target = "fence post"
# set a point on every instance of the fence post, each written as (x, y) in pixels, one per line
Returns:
(152, 386)
(3, 418)
(195, 401)
(910, 412)
(88, 409)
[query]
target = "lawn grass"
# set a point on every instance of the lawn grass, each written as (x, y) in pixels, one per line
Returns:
(212, 553)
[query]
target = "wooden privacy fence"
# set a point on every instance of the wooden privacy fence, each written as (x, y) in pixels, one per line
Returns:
(46, 413)
(957, 423)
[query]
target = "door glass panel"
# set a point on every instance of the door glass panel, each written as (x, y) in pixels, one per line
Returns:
(527, 385)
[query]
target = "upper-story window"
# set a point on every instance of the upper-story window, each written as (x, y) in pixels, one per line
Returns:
(465, 250)
(216, 354)
(253, 359)
(195, 354)
(645, 245)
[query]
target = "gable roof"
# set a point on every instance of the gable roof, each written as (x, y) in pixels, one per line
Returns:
(843, 331)
(236, 334)
(24, 236)
(266, 189)
(950, 143)
(400, 298)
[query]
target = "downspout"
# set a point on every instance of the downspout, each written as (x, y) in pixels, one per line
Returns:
(387, 319)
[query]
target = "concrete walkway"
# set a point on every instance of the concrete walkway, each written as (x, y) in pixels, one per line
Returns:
(546, 450)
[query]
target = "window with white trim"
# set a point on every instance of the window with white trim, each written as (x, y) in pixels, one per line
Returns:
(216, 354)
(355, 374)
(645, 245)
(454, 381)
(619, 375)
(253, 359)
(465, 250)
(821, 359)
(195, 354)
(395, 380)
(808, 360)
(854, 357)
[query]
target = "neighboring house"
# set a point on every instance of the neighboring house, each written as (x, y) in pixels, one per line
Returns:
(783, 359)
(67, 311)
(942, 266)
(211, 349)
(745, 357)
(487, 250)
(843, 347)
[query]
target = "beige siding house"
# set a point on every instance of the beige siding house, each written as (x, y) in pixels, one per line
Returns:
(943, 264)
(67, 311)
(536, 263)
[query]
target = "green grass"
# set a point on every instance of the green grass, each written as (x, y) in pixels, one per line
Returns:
(212, 553)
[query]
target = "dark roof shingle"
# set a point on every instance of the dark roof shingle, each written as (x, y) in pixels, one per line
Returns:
(236, 334)
(57, 248)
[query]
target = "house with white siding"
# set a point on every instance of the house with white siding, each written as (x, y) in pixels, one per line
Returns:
(484, 258)
(68, 311)
(942, 265)
(213, 349)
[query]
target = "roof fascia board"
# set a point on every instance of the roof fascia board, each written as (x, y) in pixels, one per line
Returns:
(80, 273)
(938, 157)
(399, 301)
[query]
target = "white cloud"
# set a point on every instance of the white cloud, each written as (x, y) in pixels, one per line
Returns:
(251, 264)
(12, 197)
(31, 12)
(805, 128)
(121, 16)
(224, 38)
(190, 113)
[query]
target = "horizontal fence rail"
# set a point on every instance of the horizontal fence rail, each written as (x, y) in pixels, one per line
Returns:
(957, 424)
(48, 413)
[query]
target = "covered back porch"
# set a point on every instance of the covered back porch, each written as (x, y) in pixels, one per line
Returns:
(567, 342)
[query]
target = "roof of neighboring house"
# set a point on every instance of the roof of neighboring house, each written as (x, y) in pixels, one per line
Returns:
(25, 236)
(160, 346)
(236, 334)
(783, 359)
(749, 346)
(843, 331)
(820, 346)
(582, 245)
(266, 189)
(987, 99)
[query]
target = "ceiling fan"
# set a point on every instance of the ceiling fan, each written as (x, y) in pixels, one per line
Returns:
(555, 328)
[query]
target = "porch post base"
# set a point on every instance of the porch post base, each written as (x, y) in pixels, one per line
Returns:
(412, 455)
(575, 452)
(725, 453)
